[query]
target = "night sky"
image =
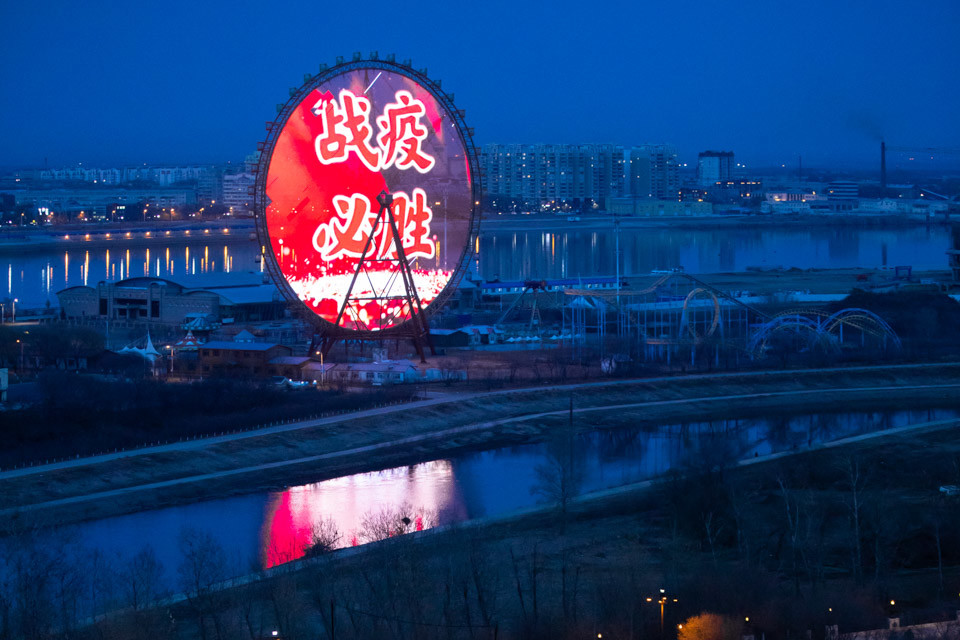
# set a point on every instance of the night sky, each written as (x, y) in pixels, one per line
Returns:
(123, 82)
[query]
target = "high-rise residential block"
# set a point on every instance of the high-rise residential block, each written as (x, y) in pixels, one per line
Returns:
(654, 172)
(714, 167)
(550, 175)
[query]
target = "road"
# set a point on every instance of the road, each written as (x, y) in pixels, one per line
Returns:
(202, 443)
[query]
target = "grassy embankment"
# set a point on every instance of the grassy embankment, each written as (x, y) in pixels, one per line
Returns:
(410, 433)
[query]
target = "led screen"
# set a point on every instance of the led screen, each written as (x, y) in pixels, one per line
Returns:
(357, 134)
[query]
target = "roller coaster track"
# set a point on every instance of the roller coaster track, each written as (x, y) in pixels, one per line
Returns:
(720, 293)
(723, 294)
(592, 293)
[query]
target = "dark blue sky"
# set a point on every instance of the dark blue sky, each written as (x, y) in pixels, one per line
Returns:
(124, 82)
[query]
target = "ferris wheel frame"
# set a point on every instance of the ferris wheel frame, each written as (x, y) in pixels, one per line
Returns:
(265, 150)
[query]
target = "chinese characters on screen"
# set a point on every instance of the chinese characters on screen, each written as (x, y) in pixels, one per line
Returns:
(349, 139)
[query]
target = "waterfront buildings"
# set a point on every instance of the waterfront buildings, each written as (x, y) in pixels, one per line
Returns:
(105, 202)
(111, 193)
(843, 195)
(159, 175)
(551, 176)
(237, 192)
(156, 301)
(654, 172)
(714, 167)
(644, 208)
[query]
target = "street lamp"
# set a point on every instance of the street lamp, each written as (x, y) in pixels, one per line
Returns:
(662, 601)
(15, 301)
(322, 372)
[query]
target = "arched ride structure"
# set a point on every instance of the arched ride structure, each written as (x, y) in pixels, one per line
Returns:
(677, 312)
(813, 329)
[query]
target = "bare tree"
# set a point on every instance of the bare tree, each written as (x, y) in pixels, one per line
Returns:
(325, 536)
(101, 580)
(395, 521)
(712, 527)
(526, 577)
(561, 474)
(855, 481)
(142, 578)
(792, 508)
(202, 567)
(741, 508)
(67, 585)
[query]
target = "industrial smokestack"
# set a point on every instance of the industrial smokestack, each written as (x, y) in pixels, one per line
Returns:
(883, 168)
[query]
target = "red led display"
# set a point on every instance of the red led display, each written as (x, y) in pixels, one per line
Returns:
(358, 133)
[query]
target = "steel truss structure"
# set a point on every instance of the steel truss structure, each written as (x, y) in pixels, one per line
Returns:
(413, 319)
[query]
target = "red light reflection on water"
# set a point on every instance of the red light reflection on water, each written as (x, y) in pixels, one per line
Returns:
(291, 515)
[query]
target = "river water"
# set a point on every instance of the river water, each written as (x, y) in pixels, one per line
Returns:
(36, 277)
(267, 528)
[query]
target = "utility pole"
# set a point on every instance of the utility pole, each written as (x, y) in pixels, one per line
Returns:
(616, 231)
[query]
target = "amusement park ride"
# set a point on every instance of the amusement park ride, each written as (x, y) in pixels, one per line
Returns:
(678, 309)
(357, 133)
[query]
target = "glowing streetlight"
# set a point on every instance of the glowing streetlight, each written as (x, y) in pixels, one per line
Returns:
(662, 600)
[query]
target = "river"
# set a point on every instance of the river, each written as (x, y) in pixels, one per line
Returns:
(267, 528)
(36, 277)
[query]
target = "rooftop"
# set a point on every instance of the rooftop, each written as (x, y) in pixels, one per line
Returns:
(240, 346)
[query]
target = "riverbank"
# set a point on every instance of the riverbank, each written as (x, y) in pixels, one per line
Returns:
(133, 234)
(98, 235)
(551, 222)
(310, 451)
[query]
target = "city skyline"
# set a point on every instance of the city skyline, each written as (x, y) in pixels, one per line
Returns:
(196, 84)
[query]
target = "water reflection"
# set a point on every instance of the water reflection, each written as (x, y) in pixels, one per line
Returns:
(33, 279)
(514, 255)
(499, 481)
(291, 515)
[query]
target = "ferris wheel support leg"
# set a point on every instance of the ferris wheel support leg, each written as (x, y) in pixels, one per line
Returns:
(327, 342)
